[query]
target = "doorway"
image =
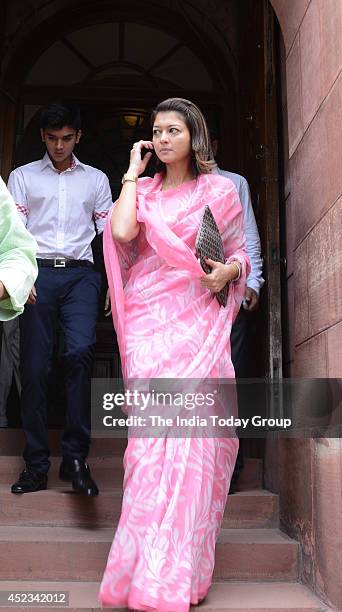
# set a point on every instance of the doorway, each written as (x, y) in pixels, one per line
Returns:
(116, 67)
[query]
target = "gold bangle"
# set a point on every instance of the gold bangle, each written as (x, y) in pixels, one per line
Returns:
(129, 177)
(238, 267)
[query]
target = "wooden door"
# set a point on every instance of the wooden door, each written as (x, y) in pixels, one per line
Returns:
(7, 134)
(259, 163)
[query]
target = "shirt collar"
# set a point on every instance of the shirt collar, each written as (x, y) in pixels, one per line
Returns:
(46, 161)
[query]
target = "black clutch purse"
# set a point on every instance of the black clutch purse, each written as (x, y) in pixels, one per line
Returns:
(209, 244)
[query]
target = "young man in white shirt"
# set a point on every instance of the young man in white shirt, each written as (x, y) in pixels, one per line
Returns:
(60, 201)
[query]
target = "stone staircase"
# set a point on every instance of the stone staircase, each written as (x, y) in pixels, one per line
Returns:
(57, 540)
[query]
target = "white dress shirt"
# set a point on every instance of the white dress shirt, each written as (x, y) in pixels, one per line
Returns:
(253, 247)
(61, 209)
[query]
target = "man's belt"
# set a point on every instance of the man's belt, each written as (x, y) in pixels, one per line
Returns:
(60, 262)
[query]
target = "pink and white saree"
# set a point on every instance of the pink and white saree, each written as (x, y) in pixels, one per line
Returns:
(168, 326)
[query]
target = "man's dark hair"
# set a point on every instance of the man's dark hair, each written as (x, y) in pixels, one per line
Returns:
(213, 131)
(59, 115)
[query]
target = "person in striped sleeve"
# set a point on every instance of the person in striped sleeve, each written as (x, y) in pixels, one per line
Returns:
(62, 203)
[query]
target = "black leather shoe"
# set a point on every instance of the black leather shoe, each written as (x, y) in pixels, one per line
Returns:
(77, 472)
(233, 488)
(29, 481)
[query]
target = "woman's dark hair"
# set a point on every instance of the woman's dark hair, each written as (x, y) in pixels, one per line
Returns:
(202, 156)
(59, 115)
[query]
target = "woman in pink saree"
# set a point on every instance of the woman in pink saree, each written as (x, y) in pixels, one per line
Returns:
(170, 325)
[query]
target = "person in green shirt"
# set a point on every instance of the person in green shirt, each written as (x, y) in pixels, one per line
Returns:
(18, 266)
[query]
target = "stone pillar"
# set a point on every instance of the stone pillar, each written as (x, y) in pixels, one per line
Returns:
(310, 471)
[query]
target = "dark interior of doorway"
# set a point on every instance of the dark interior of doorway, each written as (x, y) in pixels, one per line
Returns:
(112, 123)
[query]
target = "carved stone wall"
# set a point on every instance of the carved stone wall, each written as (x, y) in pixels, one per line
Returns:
(309, 477)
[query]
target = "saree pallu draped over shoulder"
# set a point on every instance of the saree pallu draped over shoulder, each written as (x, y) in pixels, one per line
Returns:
(168, 326)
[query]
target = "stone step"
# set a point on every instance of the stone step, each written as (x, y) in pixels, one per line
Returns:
(12, 442)
(108, 471)
(250, 509)
(232, 596)
(67, 553)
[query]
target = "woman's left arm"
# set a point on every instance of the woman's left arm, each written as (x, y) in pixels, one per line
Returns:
(237, 265)
(221, 274)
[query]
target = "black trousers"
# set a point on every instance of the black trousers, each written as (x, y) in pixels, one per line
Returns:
(240, 358)
(70, 296)
(239, 344)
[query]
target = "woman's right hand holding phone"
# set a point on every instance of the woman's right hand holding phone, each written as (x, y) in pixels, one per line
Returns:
(125, 226)
(138, 163)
